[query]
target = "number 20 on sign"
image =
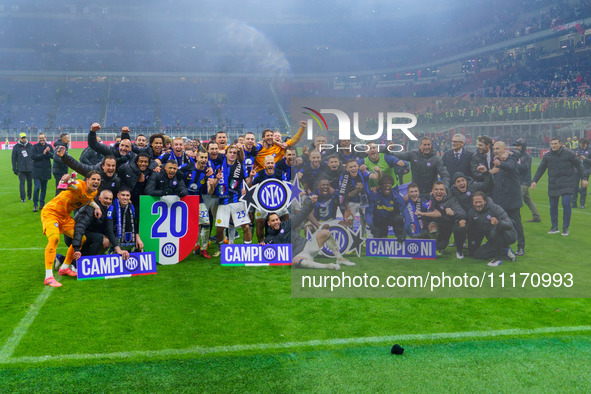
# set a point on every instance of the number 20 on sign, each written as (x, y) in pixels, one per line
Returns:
(169, 226)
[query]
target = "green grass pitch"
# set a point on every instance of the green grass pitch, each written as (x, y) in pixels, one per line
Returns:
(198, 326)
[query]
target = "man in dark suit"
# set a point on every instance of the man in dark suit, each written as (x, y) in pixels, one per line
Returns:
(481, 161)
(507, 189)
(457, 159)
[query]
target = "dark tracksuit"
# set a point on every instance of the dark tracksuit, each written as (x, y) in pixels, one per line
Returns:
(41, 172)
(112, 183)
(386, 211)
(507, 194)
(446, 224)
(498, 237)
(59, 168)
(92, 228)
(586, 153)
(22, 165)
(563, 166)
(160, 185)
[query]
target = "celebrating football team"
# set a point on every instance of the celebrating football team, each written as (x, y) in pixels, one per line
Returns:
(470, 195)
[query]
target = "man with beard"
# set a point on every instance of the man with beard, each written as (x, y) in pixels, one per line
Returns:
(221, 138)
(507, 189)
(22, 165)
(415, 225)
(310, 174)
(42, 154)
(481, 161)
(562, 165)
(250, 151)
(107, 169)
(288, 163)
(425, 166)
(134, 175)
(464, 187)
(196, 176)
(333, 171)
(166, 183)
(270, 147)
(487, 219)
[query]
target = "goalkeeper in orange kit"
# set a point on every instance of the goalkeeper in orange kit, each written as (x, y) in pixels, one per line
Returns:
(56, 220)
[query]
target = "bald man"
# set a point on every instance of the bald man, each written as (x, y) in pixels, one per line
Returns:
(507, 189)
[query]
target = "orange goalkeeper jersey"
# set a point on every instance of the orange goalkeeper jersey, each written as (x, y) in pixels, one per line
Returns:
(68, 200)
(276, 151)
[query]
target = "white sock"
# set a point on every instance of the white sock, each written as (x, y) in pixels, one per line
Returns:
(311, 264)
(332, 245)
(65, 266)
(204, 235)
(232, 233)
(48, 273)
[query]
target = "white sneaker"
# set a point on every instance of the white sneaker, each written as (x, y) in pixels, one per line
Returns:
(333, 266)
(459, 255)
(495, 262)
(511, 254)
(345, 262)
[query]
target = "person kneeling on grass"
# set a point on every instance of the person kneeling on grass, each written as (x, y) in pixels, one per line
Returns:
(56, 220)
(92, 228)
(122, 222)
(304, 250)
(385, 210)
(487, 219)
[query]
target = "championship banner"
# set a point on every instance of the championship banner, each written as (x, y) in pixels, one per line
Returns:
(347, 240)
(251, 255)
(111, 266)
(271, 195)
(411, 248)
(169, 226)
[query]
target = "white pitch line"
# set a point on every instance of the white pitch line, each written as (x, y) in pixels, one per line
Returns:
(196, 350)
(23, 326)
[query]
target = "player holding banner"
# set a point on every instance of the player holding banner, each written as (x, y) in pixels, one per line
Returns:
(228, 185)
(56, 220)
(196, 176)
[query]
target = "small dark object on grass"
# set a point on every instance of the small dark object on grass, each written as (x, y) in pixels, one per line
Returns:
(397, 349)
